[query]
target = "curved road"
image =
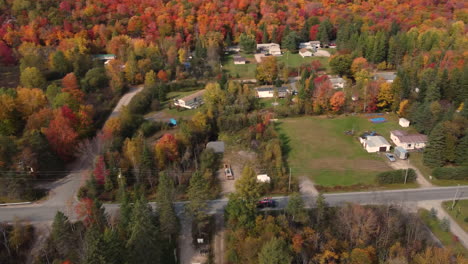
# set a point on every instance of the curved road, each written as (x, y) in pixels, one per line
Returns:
(45, 213)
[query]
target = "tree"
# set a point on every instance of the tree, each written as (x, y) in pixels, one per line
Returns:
(363, 255)
(143, 244)
(267, 70)
(94, 79)
(162, 75)
(248, 188)
(248, 43)
(198, 193)
(59, 63)
(434, 151)
(290, 41)
(358, 65)
(131, 68)
(61, 136)
(341, 64)
(337, 101)
(62, 237)
(70, 85)
(31, 77)
(275, 251)
(166, 150)
(214, 98)
(462, 151)
(29, 101)
(325, 31)
(321, 214)
(385, 96)
(167, 217)
(295, 208)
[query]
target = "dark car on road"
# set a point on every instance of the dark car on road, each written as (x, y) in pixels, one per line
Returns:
(266, 203)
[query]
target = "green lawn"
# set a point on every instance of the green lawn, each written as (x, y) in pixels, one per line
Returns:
(446, 238)
(459, 212)
(242, 70)
(294, 60)
(318, 148)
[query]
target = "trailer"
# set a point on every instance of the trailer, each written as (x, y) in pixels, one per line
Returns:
(228, 172)
(401, 153)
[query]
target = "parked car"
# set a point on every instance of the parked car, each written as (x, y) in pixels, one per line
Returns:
(266, 202)
(390, 156)
(228, 172)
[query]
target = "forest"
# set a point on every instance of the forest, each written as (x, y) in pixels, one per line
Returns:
(56, 95)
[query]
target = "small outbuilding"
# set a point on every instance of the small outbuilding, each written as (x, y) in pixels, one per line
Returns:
(404, 122)
(239, 60)
(376, 144)
(216, 146)
(264, 178)
(401, 153)
(305, 53)
(191, 101)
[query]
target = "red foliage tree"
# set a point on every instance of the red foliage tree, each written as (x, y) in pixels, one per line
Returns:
(61, 136)
(162, 75)
(313, 32)
(100, 171)
(6, 54)
(70, 85)
(337, 101)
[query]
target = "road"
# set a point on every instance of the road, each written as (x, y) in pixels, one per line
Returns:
(45, 213)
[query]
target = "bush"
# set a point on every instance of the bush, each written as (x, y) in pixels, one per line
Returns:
(396, 176)
(456, 173)
(149, 128)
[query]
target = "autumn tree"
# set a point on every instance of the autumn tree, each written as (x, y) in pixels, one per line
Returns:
(70, 85)
(248, 43)
(385, 96)
(59, 63)
(29, 101)
(275, 251)
(31, 77)
(166, 150)
(267, 70)
(295, 208)
(341, 64)
(61, 136)
(337, 101)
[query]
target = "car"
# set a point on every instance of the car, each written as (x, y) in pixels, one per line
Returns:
(390, 157)
(266, 202)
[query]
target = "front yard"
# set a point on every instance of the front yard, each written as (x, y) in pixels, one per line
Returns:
(317, 147)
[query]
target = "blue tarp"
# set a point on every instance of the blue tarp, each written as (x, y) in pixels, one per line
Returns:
(173, 122)
(378, 120)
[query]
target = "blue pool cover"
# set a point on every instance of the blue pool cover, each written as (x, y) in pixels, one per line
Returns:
(378, 120)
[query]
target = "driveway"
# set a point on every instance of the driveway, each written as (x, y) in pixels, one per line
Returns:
(321, 53)
(405, 164)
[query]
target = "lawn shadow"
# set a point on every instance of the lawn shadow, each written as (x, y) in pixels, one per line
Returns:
(284, 141)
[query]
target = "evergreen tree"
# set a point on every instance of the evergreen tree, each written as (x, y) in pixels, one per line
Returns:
(461, 153)
(433, 92)
(165, 197)
(434, 151)
(325, 31)
(321, 213)
(125, 212)
(114, 247)
(94, 246)
(247, 43)
(290, 41)
(295, 208)
(198, 193)
(62, 237)
(275, 251)
(143, 245)
(264, 33)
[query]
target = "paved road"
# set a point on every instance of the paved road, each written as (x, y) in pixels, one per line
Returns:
(44, 213)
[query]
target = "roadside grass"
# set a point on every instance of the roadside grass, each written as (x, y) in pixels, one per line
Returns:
(459, 212)
(294, 60)
(318, 148)
(446, 238)
(416, 158)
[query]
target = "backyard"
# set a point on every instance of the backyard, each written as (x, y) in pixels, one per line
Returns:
(317, 147)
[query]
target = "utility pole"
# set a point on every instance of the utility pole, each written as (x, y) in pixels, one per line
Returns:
(407, 169)
(289, 185)
(455, 197)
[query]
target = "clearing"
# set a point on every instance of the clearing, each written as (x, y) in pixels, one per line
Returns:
(318, 148)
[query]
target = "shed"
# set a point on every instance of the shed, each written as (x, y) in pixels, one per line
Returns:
(216, 146)
(305, 53)
(263, 178)
(239, 60)
(191, 101)
(404, 122)
(376, 144)
(401, 152)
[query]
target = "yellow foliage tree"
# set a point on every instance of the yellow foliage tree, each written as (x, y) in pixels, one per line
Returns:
(29, 101)
(385, 96)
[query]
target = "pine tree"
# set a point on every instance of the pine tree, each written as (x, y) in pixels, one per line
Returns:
(461, 152)
(143, 245)
(131, 68)
(165, 197)
(321, 213)
(114, 247)
(94, 246)
(275, 251)
(198, 194)
(434, 152)
(62, 237)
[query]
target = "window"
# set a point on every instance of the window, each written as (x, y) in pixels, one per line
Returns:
(409, 145)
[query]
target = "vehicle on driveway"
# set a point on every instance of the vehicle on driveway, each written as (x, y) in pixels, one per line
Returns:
(390, 157)
(266, 202)
(228, 172)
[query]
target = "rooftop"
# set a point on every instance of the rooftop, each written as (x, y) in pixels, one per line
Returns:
(404, 137)
(271, 88)
(385, 75)
(192, 96)
(216, 146)
(375, 141)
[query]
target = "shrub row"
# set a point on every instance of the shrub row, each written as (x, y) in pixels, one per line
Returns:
(456, 173)
(395, 176)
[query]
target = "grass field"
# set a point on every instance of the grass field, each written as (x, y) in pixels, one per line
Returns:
(317, 147)
(295, 60)
(416, 158)
(446, 238)
(459, 212)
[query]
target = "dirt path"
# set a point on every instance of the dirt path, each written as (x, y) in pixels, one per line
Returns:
(441, 214)
(218, 241)
(307, 188)
(405, 164)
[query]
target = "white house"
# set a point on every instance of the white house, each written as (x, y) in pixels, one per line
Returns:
(191, 101)
(337, 82)
(239, 60)
(313, 44)
(386, 76)
(375, 144)
(404, 122)
(269, 48)
(408, 141)
(305, 53)
(269, 91)
(233, 49)
(263, 178)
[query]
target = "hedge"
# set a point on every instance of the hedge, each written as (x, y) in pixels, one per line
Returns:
(395, 176)
(455, 173)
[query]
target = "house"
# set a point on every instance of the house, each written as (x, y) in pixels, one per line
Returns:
(104, 57)
(263, 178)
(375, 144)
(216, 146)
(337, 82)
(268, 91)
(233, 49)
(191, 101)
(408, 141)
(305, 53)
(239, 60)
(386, 76)
(404, 122)
(314, 44)
(269, 48)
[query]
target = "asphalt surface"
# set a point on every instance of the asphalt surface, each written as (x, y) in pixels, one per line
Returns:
(45, 212)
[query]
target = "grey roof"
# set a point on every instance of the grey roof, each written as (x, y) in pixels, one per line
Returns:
(335, 80)
(216, 146)
(239, 58)
(192, 96)
(389, 76)
(404, 137)
(376, 141)
(271, 88)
